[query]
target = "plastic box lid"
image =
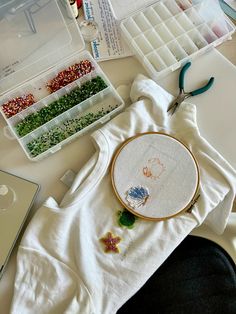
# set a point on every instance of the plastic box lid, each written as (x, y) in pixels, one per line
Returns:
(28, 46)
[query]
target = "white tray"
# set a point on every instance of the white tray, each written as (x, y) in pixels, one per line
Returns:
(166, 34)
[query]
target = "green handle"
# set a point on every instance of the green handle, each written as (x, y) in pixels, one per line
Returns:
(181, 75)
(203, 89)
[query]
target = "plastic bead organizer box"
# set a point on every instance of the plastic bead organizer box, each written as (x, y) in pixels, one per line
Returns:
(51, 94)
(165, 34)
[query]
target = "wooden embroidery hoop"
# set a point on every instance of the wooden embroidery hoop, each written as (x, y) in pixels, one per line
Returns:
(115, 164)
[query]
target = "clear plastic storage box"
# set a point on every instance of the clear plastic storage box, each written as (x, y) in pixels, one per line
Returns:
(165, 34)
(52, 90)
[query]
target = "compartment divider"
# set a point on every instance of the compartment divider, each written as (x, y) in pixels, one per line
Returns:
(187, 44)
(166, 55)
(174, 27)
(131, 27)
(154, 39)
(184, 4)
(184, 21)
(194, 16)
(218, 28)
(172, 7)
(177, 51)
(152, 16)
(197, 39)
(164, 33)
(162, 10)
(142, 21)
(143, 44)
(156, 62)
(207, 33)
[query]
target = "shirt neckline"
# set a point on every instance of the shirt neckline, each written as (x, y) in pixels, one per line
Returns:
(102, 148)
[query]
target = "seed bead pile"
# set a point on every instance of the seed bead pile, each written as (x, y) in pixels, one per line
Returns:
(63, 131)
(17, 104)
(69, 75)
(64, 103)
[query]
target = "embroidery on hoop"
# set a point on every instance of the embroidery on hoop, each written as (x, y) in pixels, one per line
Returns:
(137, 196)
(154, 169)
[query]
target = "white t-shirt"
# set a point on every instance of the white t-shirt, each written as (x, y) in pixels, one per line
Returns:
(61, 263)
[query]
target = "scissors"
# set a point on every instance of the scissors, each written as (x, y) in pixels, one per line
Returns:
(182, 94)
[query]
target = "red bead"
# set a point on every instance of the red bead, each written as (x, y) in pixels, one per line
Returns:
(69, 75)
(17, 104)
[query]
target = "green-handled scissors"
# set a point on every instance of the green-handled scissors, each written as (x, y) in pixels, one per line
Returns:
(182, 94)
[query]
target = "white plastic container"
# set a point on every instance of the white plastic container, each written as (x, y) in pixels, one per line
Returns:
(165, 34)
(40, 38)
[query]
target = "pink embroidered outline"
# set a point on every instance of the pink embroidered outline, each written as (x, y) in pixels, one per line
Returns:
(149, 170)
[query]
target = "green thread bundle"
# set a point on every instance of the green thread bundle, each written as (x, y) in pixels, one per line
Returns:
(64, 103)
(126, 219)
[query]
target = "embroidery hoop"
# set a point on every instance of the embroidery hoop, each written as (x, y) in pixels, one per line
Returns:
(138, 149)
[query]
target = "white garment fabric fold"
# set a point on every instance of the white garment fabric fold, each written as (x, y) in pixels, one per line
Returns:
(61, 263)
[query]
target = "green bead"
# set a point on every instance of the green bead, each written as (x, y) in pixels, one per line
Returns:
(63, 131)
(47, 113)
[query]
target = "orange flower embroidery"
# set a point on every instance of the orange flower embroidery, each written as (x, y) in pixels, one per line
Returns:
(154, 168)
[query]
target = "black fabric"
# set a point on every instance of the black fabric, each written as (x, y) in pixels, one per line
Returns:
(199, 277)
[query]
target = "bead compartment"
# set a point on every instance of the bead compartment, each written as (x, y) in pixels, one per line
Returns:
(48, 111)
(105, 100)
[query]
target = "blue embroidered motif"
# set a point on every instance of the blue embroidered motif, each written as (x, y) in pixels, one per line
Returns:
(137, 196)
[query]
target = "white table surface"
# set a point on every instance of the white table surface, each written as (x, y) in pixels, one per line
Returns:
(216, 116)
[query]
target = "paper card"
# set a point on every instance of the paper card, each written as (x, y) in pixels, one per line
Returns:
(109, 44)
